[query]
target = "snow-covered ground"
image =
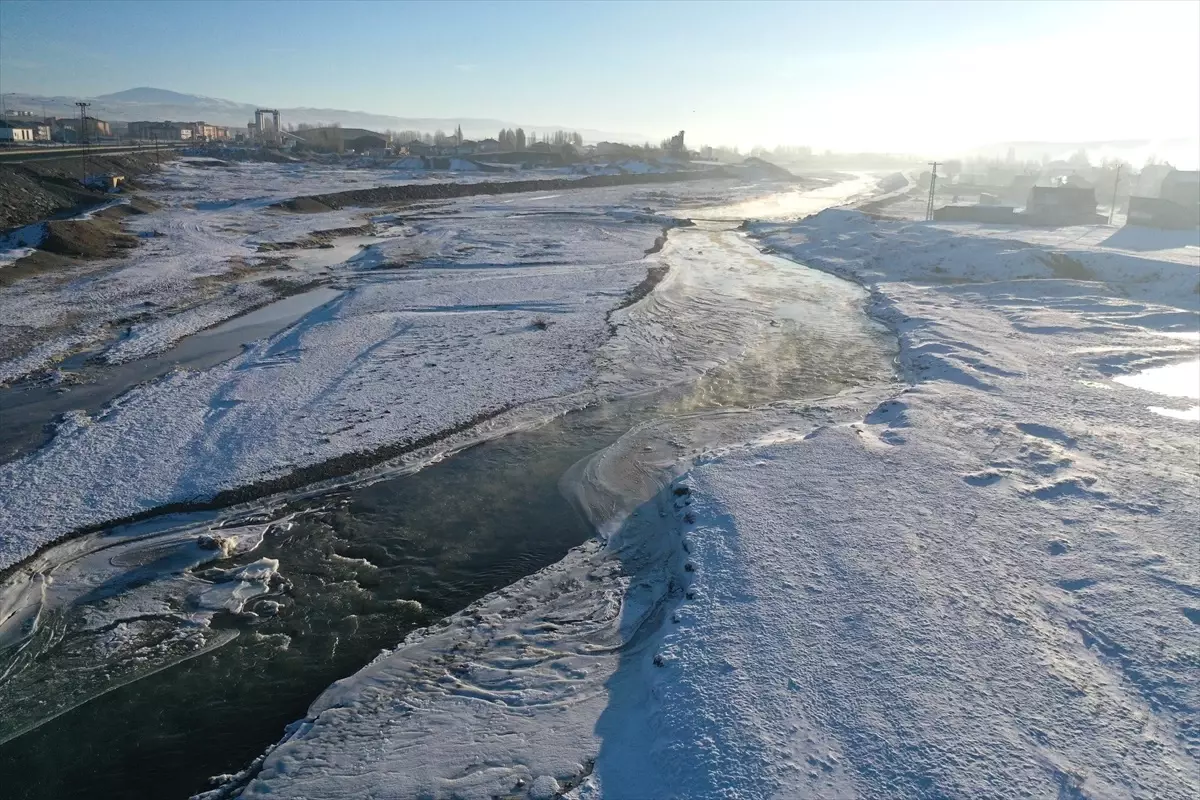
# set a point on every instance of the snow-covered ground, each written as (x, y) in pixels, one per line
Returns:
(201, 258)
(492, 311)
(445, 312)
(981, 583)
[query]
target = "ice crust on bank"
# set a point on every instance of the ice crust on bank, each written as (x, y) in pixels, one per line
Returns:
(123, 606)
(495, 314)
(981, 585)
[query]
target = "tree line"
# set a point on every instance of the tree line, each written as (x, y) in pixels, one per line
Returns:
(508, 138)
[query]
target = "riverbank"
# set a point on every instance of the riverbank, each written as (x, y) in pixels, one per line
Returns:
(982, 583)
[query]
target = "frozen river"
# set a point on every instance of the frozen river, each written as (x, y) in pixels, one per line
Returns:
(205, 654)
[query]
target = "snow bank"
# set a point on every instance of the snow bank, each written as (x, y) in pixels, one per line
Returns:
(408, 163)
(448, 333)
(982, 585)
(986, 586)
(845, 242)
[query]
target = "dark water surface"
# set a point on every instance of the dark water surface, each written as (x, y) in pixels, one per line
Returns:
(442, 537)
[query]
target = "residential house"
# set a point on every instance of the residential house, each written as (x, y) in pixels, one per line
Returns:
(1176, 206)
(489, 146)
(1062, 205)
(467, 147)
(1182, 187)
(1158, 212)
(1150, 179)
(612, 149)
(418, 148)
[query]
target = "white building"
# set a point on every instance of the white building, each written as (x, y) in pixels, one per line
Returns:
(15, 133)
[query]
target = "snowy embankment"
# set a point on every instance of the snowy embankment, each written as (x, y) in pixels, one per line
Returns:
(987, 587)
(443, 321)
(986, 584)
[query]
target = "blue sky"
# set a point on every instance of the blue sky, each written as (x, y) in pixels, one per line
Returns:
(886, 75)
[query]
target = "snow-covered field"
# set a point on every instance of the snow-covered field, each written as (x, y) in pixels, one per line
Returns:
(981, 580)
(433, 317)
(495, 310)
(200, 260)
(981, 583)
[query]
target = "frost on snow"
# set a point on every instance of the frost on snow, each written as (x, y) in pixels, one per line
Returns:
(982, 585)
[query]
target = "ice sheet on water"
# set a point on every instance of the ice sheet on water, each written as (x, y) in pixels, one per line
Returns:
(103, 610)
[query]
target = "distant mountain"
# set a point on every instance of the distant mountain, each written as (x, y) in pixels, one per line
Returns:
(147, 94)
(149, 103)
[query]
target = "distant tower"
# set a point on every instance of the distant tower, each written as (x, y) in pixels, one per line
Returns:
(267, 132)
(82, 139)
(932, 189)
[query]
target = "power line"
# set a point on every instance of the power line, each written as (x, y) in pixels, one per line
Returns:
(932, 188)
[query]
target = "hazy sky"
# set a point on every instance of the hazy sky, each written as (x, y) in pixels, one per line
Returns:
(919, 77)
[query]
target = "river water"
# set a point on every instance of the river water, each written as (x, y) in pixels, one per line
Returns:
(155, 662)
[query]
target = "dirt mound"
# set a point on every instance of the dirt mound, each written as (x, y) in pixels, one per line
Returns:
(26, 197)
(86, 238)
(316, 238)
(440, 191)
(305, 205)
(759, 168)
(36, 190)
(36, 263)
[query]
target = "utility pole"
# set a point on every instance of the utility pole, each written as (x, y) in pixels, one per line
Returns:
(932, 189)
(156, 159)
(83, 138)
(1116, 183)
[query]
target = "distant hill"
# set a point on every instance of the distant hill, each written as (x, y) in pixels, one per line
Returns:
(149, 103)
(148, 95)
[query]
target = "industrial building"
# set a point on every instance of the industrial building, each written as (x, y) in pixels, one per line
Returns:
(15, 132)
(66, 129)
(265, 127)
(341, 140)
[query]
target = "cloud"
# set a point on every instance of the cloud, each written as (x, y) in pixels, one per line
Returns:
(465, 67)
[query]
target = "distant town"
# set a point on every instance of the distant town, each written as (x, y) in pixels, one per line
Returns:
(1047, 191)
